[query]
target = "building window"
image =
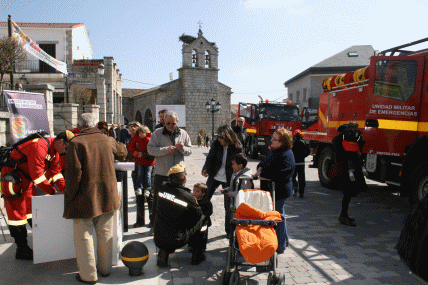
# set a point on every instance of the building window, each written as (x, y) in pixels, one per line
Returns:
(50, 49)
(297, 96)
(304, 95)
(207, 59)
(290, 97)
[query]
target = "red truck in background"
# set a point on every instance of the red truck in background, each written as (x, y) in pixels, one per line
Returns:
(387, 100)
(261, 121)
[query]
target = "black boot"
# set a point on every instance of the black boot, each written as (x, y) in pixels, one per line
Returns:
(198, 256)
(162, 258)
(23, 251)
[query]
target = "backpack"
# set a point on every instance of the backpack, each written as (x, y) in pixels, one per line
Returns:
(6, 160)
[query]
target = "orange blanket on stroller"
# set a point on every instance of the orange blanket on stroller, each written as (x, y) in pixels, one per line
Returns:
(256, 243)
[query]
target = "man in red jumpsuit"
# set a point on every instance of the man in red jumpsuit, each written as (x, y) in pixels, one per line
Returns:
(38, 163)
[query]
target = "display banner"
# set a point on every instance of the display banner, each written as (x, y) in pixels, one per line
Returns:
(179, 109)
(34, 49)
(28, 113)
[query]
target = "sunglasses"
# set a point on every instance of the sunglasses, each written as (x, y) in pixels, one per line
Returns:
(220, 137)
(240, 121)
(169, 123)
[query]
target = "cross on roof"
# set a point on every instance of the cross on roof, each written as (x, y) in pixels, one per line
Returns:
(200, 24)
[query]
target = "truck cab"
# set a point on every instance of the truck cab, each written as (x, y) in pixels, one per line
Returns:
(261, 121)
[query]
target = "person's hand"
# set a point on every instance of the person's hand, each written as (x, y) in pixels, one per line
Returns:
(225, 192)
(182, 236)
(172, 149)
(179, 146)
(204, 173)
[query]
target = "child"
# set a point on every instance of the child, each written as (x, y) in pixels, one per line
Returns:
(144, 165)
(199, 190)
(239, 163)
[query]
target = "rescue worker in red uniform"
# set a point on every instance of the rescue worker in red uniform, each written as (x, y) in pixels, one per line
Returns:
(38, 164)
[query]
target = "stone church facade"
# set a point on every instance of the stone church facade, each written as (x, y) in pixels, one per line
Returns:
(196, 85)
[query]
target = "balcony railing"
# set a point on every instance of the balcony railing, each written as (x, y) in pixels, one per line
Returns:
(35, 66)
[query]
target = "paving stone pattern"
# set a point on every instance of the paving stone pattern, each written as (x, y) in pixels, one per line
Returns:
(322, 251)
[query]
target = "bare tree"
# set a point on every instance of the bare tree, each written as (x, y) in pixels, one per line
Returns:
(82, 95)
(11, 55)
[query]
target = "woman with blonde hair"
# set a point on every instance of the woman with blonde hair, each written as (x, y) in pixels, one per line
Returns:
(278, 166)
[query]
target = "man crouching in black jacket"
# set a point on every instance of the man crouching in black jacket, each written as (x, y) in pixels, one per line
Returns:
(178, 219)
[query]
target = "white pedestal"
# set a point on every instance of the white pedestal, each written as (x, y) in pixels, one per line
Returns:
(53, 235)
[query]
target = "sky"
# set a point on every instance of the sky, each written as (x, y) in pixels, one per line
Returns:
(262, 43)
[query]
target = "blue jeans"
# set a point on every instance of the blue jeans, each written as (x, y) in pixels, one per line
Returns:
(281, 227)
(144, 177)
(229, 215)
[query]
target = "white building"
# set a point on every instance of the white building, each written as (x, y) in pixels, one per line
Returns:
(305, 88)
(69, 43)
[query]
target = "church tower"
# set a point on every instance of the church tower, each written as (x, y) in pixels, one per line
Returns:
(199, 83)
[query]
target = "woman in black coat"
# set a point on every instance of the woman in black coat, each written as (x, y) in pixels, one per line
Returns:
(278, 166)
(218, 164)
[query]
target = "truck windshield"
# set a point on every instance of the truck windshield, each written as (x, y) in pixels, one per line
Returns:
(280, 113)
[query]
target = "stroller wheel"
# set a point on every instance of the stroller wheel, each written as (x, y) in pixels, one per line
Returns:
(271, 279)
(225, 277)
(234, 278)
(281, 280)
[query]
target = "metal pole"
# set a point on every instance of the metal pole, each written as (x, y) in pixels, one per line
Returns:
(9, 30)
(212, 111)
(66, 90)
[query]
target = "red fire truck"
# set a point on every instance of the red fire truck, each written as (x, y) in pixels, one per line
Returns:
(261, 121)
(386, 99)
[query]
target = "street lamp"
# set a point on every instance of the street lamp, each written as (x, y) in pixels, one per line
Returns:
(212, 106)
(100, 69)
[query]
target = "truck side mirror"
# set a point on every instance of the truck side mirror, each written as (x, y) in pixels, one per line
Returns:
(306, 114)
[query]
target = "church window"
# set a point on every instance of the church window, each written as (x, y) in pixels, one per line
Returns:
(194, 58)
(207, 59)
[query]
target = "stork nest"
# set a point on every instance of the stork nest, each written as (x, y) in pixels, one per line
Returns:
(187, 39)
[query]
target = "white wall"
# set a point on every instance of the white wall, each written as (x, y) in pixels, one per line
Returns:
(81, 47)
(45, 36)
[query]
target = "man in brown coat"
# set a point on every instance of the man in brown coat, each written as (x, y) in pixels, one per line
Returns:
(91, 196)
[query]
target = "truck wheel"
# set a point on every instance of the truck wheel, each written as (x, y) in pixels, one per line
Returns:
(324, 171)
(420, 184)
(253, 151)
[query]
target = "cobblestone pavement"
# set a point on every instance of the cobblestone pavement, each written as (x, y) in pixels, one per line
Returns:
(322, 251)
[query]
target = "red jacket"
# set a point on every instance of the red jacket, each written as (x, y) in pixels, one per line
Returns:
(137, 145)
(42, 164)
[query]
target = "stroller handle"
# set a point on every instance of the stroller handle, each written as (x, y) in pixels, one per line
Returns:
(253, 222)
(266, 179)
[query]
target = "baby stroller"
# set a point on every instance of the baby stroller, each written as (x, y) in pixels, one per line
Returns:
(253, 238)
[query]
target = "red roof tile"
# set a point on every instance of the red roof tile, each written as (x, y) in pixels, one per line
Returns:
(45, 25)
